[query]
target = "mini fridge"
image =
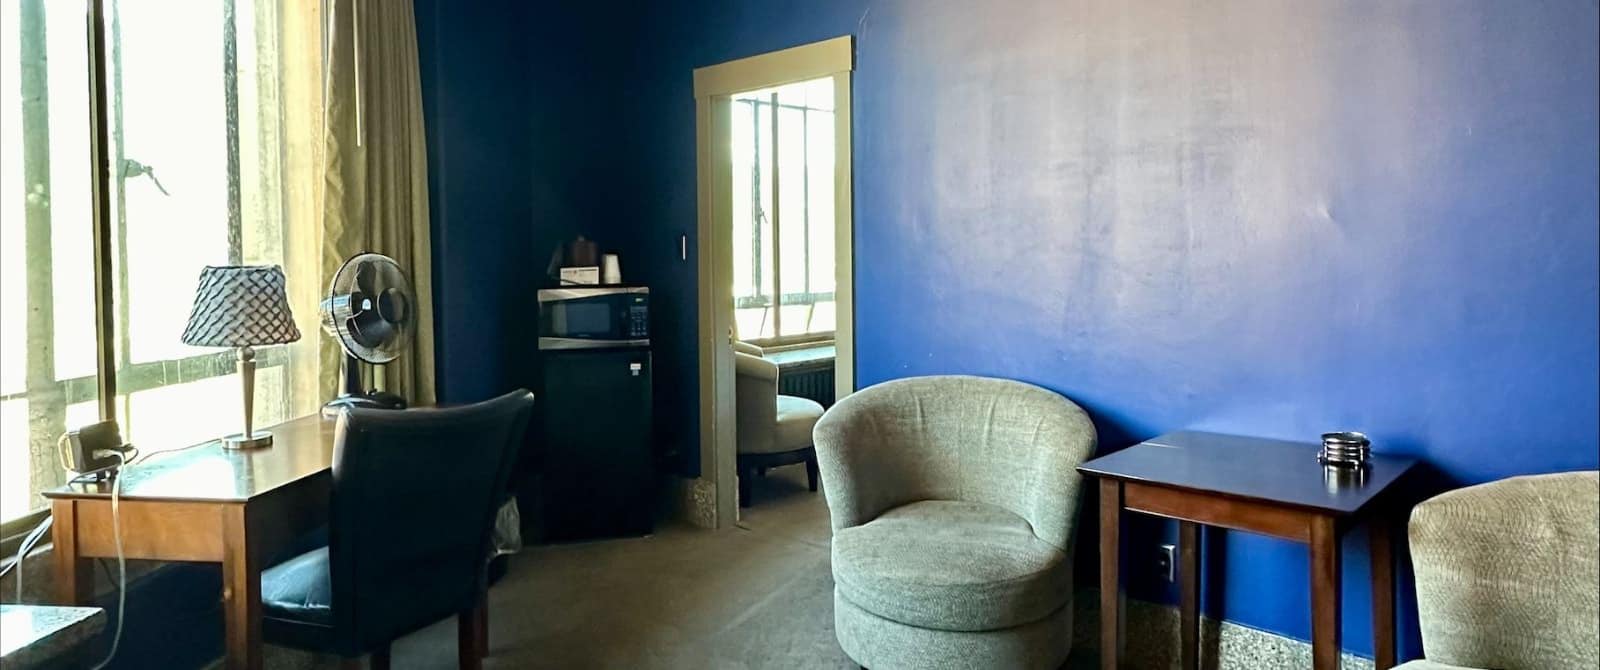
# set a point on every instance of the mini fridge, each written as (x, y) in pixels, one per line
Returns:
(598, 476)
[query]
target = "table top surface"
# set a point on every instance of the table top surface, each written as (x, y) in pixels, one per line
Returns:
(300, 448)
(1275, 471)
(33, 635)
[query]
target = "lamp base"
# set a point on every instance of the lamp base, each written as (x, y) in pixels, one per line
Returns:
(255, 440)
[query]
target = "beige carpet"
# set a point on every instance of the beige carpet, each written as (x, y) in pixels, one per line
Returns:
(757, 596)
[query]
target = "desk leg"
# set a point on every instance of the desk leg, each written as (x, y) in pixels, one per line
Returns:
(1111, 614)
(1189, 592)
(74, 575)
(241, 590)
(1324, 593)
(1381, 543)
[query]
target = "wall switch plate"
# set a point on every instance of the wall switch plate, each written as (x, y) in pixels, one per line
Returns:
(1167, 562)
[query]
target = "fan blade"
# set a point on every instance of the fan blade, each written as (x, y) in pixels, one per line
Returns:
(393, 306)
(370, 329)
(367, 278)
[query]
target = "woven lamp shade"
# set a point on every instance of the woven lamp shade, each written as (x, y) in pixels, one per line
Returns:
(241, 306)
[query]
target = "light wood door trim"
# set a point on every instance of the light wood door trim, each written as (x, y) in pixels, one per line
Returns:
(714, 87)
(807, 61)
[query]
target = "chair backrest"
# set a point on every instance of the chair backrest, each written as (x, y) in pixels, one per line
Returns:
(973, 439)
(413, 504)
(1507, 575)
(756, 401)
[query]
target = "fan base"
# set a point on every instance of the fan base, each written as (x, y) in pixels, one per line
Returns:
(374, 400)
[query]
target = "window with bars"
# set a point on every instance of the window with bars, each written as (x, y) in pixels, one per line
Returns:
(198, 174)
(783, 213)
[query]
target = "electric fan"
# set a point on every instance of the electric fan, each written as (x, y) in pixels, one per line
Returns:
(368, 309)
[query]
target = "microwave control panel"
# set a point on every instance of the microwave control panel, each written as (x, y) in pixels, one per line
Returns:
(638, 320)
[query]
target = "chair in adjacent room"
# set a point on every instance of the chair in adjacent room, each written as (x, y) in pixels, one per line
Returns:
(774, 430)
(413, 502)
(954, 503)
(1507, 575)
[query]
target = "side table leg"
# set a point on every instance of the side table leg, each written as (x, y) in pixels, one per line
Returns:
(1111, 615)
(1381, 542)
(1189, 592)
(1324, 593)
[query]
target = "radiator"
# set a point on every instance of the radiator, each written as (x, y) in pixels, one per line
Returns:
(808, 381)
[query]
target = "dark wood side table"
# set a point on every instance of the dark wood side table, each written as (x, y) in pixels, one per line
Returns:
(1262, 486)
(203, 504)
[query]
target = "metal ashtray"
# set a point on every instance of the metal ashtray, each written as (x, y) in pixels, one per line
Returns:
(1345, 449)
(1337, 478)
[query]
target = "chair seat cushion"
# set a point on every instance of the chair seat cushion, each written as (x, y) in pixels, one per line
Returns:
(796, 417)
(299, 589)
(948, 565)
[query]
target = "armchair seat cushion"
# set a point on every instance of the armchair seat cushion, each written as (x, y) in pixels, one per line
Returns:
(947, 565)
(796, 417)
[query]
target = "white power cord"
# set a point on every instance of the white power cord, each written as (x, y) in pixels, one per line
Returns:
(24, 549)
(122, 564)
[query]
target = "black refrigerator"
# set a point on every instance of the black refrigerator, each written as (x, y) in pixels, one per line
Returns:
(599, 477)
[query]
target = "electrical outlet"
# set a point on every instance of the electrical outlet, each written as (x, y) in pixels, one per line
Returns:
(1167, 562)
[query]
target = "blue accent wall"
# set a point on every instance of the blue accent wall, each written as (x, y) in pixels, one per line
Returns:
(1263, 218)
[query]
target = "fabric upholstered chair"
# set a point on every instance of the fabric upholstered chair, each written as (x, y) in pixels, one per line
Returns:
(774, 430)
(1507, 576)
(413, 501)
(954, 503)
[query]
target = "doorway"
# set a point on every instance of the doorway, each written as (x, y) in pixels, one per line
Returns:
(773, 153)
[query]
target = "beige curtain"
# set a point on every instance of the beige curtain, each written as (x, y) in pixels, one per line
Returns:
(375, 172)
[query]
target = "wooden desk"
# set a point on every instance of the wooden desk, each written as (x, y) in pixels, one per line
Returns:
(203, 504)
(1262, 486)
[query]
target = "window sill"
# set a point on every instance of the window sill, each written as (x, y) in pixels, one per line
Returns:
(813, 354)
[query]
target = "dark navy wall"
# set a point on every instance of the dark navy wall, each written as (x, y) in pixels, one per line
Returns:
(520, 103)
(1263, 218)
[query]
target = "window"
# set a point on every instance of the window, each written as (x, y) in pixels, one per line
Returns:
(201, 174)
(783, 212)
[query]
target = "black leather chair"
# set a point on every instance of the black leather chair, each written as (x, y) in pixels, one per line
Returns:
(413, 503)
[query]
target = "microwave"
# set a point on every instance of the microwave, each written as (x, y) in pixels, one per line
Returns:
(596, 317)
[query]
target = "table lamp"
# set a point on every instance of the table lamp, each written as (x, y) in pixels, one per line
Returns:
(242, 306)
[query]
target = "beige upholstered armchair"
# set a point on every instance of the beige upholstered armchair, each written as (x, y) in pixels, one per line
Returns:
(954, 503)
(773, 430)
(1507, 575)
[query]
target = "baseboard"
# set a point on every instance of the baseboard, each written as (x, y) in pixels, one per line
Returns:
(1152, 640)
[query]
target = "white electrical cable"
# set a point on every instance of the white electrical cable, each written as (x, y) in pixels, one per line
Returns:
(23, 549)
(122, 564)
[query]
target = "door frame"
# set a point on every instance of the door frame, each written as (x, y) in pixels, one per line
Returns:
(714, 87)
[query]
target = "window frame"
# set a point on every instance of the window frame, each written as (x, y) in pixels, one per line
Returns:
(779, 298)
(116, 374)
